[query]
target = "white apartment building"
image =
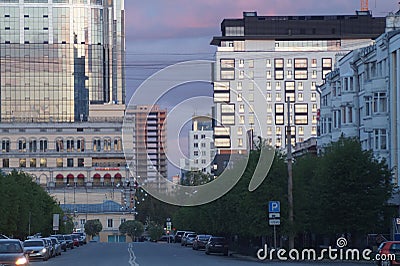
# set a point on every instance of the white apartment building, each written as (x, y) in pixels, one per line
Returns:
(200, 146)
(359, 98)
(261, 61)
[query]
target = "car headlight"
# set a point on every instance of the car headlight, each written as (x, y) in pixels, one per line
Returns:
(43, 250)
(21, 261)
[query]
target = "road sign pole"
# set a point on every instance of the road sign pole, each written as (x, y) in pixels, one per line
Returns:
(274, 237)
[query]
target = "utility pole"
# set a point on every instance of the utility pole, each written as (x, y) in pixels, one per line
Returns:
(290, 176)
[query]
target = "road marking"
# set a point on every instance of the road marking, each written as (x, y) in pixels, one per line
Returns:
(132, 257)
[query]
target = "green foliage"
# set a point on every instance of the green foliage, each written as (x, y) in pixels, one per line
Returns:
(93, 227)
(132, 228)
(345, 190)
(25, 206)
(155, 231)
(196, 178)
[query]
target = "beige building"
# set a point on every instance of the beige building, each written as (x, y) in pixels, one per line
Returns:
(110, 214)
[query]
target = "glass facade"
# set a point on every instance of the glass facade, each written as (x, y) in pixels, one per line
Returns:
(58, 57)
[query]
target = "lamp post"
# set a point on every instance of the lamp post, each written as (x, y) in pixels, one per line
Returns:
(290, 176)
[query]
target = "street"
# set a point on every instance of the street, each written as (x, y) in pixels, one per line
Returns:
(148, 254)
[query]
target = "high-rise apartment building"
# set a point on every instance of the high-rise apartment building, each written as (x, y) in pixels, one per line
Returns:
(60, 56)
(148, 126)
(261, 61)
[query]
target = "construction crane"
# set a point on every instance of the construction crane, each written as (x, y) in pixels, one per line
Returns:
(364, 5)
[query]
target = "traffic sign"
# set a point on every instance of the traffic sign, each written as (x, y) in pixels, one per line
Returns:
(169, 225)
(274, 206)
(274, 215)
(274, 221)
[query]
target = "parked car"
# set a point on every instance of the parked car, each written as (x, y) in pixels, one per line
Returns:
(217, 244)
(82, 237)
(189, 239)
(69, 241)
(36, 249)
(56, 245)
(62, 241)
(50, 246)
(185, 235)
(12, 252)
(200, 241)
(75, 240)
(386, 248)
(178, 236)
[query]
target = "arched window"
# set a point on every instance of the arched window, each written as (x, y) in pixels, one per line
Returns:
(5, 145)
(59, 145)
(43, 145)
(96, 144)
(117, 144)
(70, 145)
(107, 144)
(32, 145)
(22, 145)
(80, 145)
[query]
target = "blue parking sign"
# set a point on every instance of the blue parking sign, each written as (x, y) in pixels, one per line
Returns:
(274, 206)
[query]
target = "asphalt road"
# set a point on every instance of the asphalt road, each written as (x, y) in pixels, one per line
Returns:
(154, 254)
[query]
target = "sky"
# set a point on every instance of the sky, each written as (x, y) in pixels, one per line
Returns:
(160, 33)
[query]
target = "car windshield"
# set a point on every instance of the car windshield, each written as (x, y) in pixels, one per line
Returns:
(10, 247)
(204, 237)
(33, 244)
(217, 239)
(67, 237)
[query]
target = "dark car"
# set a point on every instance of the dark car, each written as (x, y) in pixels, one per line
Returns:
(178, 236)
(12, 252)
(200, 242)
(217, 244)
(82, 237)
(62, 241)
(389, 251)
(36, 249)
(166, 238)
(69, 241)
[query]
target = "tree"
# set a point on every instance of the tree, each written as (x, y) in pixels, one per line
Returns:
(93, 227)
(132, 228)
(155, 231)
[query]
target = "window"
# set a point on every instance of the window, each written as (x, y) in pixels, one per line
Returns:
(239, 86)
(300, 86)
(195, 136)
(241, 63)
(59, 162)
(278, 97)
(301, 114)
(59, 145)
(96, 144)
(314, 74)
(195, 153)
(300, 68)
(117, 144)
(368, 105)
(109, 223)
(5, 145)
(268, 62)
(269, 87)
(195, 145)
(251, 63)
(227, 69)
(22, 145)
(203, 145)
(380, 102)
(300, 97)
(290, 91)
(241, 74)
(239, 97)
(380, 139)
(204, 136)
(22, 162)
(313, 96)
(301, 130)
(278, 85)
(32, 145)
(43, 145)
(70, 162)
(107, 144)
(269, 75)
(240, 131)
(289, 63)
(313, 62)
(278, 63)
(70, 145)
(80, 145)
(289, 74)
(6, 163)
(43, 162)
(279, 74)
(240, 142)
(81, 162)
(241, 119)
(279, 113)
(241, 108)
(32, 162)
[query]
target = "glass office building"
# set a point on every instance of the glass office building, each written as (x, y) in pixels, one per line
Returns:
(57, 57)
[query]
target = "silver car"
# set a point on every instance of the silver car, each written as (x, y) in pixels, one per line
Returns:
(36, 249)
(56, 245)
